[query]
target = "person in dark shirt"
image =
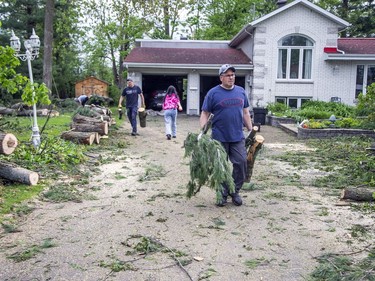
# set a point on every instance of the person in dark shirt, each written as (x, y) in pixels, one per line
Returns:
(130, 94)
(82, 99)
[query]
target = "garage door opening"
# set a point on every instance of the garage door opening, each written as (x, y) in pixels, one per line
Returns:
(157, 84)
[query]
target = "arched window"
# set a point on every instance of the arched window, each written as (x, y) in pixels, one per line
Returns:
(295, 58)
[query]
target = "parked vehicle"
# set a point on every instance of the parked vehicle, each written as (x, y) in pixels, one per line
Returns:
(157, 100)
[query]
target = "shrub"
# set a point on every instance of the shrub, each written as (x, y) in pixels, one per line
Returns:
(312, 113)
(366, 107)
(277, 107)
(338, 109)
(348, 123)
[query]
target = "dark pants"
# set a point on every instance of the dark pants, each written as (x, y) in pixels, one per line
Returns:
(237, 155)
(132, 116)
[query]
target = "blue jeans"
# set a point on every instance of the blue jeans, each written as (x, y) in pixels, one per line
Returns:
(132, 116)
(170, 117)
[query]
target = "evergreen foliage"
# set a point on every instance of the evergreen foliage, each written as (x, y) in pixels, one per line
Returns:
(209, 165)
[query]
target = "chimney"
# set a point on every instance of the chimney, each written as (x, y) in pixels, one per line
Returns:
(281, 3)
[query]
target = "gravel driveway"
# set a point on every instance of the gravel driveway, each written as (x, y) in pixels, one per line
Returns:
(137, 223)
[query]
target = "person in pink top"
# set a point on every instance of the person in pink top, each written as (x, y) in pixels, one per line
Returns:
(171, 104)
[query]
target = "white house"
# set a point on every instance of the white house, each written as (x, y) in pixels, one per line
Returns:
(290, 55)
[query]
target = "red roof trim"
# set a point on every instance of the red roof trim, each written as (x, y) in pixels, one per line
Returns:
(330, 49)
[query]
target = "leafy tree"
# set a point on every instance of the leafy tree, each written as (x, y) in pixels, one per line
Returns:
(66, 51)
(165, 15)
(24, 15)
(13, 82)
(361, 14)
(115, 27)
(224, 18)
(48, 42)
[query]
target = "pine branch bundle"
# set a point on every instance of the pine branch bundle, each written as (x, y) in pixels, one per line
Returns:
(209, 165)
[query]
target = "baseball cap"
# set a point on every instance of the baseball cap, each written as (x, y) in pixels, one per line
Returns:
(129, 79)
(225, 67)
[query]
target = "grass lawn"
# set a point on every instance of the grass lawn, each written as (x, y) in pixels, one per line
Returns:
(56, 157)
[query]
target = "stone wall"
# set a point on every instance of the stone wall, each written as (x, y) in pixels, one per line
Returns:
(304, 133)
(275, 121)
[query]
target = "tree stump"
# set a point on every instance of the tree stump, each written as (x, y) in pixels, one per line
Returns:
(15, 173)
(8, 143)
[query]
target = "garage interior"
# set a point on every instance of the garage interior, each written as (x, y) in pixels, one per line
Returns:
(153, 83)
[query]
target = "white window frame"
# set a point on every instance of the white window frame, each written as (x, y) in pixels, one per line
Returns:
(286, 100)
(364, 78)
(301, 53)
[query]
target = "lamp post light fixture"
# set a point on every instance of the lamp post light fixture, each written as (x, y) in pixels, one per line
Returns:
(32, 46)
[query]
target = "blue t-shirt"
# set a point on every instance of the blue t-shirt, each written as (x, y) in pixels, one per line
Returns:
(131, 95)
(227, 107)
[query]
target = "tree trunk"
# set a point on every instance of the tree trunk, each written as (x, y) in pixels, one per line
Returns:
(14, 173)
(86, 120)
(8, 143)
(48, 43)
(101, 128)
(358, 194)
(87, 138)
(39, 112)
(7, 111)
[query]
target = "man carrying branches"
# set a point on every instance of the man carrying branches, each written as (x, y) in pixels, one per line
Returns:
(230, 108)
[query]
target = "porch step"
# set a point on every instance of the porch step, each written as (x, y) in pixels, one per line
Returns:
(289, 128)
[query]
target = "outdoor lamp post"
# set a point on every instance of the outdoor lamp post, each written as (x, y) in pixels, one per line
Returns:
(32, 51)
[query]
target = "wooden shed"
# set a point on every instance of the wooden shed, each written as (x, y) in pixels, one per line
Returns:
(91, 86)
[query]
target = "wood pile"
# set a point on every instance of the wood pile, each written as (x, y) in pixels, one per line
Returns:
(10, 171)
(88, 130)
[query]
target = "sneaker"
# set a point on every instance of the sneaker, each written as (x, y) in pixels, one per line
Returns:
(222, 202)
(236, 199)
(135, 134)
(168, 137)
(174, 137)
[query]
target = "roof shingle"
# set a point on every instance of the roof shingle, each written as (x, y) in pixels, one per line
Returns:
(358, 46)
(187, 56)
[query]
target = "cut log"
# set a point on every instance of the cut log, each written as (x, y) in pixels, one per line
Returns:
(87, 138)
(39, 112)
(7, 111)
(100, 110)
(358, 194)
(252, 152)
(15, 173)
(78, 118)
(107, 118)
(8, 143)
(101, 128)
(97, 138)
